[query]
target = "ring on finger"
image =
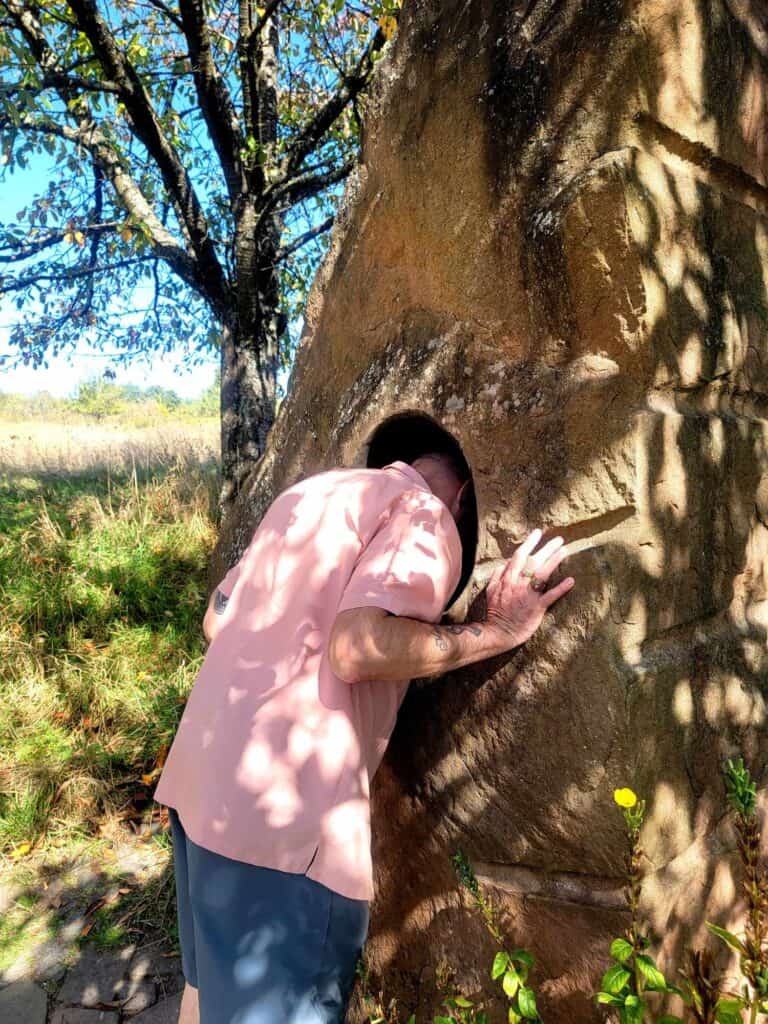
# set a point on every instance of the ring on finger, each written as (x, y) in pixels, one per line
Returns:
(528, 572)
(538, 585)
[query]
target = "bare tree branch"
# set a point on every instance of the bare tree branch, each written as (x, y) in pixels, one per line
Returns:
(59, 274)
(148, 130)
(58, 80)
(302, 240)
(166, 10)
(215, 100)
(161, 240)
(351, 85)
(266, 14)
(303, 186)
(17, 254)
(86, 134)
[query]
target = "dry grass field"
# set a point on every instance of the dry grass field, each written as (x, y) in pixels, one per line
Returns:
(105, 536)
(60, 449)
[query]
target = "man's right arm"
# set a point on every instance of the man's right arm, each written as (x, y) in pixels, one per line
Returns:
(369, 643)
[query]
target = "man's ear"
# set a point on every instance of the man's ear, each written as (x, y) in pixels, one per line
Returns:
(459, 499)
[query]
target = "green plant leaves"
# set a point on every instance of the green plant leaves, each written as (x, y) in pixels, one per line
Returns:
(609, 1000)
(615, 978)
(728, 1011)
(522, 956)
(740, 788)
(728, 938)
(527, 1003)
(621, 950)
(500, 962)
(654, 979)
(511, 983)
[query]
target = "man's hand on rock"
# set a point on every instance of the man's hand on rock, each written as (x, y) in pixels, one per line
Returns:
(517, 593)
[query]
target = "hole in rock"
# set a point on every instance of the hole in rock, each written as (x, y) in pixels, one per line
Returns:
(408, 435)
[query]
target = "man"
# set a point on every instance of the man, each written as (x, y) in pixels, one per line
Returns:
(314, 635)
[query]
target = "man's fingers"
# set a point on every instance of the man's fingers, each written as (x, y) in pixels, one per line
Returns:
(539, 559)
(496, 575)
(543, 572)
(520, 556)
(550, 596)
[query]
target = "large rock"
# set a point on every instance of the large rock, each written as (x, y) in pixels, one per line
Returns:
(556, 247)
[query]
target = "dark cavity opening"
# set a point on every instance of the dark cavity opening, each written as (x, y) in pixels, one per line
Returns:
(408, 435)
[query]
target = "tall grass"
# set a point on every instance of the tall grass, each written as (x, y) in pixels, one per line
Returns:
(87, 448)
(102, 588)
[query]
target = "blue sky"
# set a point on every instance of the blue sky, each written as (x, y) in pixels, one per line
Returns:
(63, 373)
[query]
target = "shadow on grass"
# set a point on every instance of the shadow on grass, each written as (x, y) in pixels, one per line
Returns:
(97, 904)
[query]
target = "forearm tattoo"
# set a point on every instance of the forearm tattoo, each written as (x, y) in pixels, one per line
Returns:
(220, 602)
(455, 630)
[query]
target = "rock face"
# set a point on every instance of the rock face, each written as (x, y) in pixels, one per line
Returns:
(556, 246)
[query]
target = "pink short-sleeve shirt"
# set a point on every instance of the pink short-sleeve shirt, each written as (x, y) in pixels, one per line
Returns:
(274, 755)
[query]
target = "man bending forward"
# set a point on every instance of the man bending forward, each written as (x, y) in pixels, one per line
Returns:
(314, 635)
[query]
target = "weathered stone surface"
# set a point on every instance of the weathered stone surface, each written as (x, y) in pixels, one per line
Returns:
(165, 1012)
(77, 1015)
(140, 997)
(23, 1003)
(557, 248)
(95, 978)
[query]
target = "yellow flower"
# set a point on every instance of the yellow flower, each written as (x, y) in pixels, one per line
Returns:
(388, 26)
(624, 797)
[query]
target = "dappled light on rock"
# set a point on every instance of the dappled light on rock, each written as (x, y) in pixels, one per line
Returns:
(556, 249)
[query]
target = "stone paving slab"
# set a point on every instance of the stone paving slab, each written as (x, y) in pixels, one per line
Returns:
(23, 1003)
(77, 1015)
(95, 978)
(141, 995)
(151, 964)
(166, 1012)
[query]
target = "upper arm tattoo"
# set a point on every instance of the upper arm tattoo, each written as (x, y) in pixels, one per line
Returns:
(220, 602)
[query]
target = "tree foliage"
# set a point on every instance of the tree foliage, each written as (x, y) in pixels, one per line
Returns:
(196, 152)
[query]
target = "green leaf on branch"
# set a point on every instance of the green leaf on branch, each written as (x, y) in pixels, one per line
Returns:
(654, 979)
(728, 938)
(462, 1001)
(614, 979)
(522, 956)
(632, 1014)
(740, 789)
(728, 1011)
(621, 950)
(500, 962)
(511, 982)
(527, 1003)
(609, 1000)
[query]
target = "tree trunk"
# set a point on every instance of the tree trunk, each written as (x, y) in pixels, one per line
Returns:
(250, 358)
(250, 348)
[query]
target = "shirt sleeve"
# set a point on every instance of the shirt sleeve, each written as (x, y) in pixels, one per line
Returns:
(227, 585)
(411, 565)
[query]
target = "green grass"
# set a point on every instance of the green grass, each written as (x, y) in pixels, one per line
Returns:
(102, 590)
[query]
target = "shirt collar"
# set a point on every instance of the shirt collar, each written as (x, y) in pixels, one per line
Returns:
(410, 472)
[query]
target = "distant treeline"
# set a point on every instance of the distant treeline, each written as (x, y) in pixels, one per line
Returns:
(101, 400)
